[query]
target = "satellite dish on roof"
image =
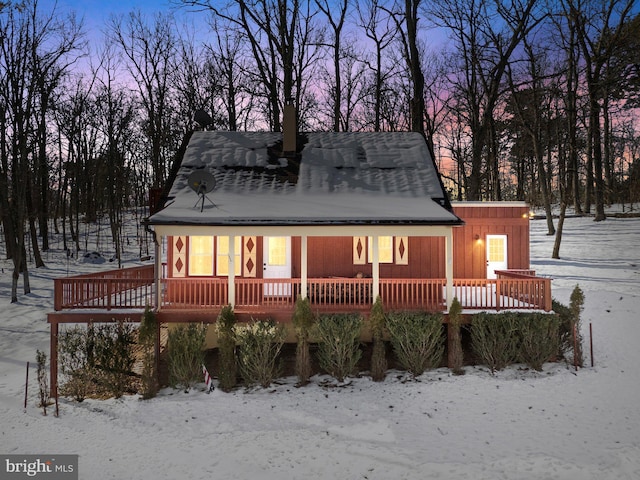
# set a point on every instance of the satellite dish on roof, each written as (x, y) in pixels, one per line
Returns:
(203, 119)
(202, 182)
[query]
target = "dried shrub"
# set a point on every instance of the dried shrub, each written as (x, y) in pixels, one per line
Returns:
(227, 368)
(303, 320)
(539, 338)
(339, 343)
(455, 354)
(259, 346)
(378, 321)
(417, 340)
(495, 340)
(186, 355)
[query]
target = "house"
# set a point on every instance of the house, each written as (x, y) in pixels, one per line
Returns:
(257, 219)
(339, 218)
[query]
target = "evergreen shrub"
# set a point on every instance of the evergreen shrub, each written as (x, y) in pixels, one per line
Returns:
(339, 343)
(227, 367)
(259, 346)
(495, 339)
(455, 353)
(112, 356)
(417, 340)
(186, 355)
(378, 319)
(43, 382)
(74, 362)
(303, 320)
(148, 338)
(539, 338)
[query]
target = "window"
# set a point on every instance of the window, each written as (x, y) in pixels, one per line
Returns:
(222, 256)
(277, 255)
(385, 249)
(201, 255)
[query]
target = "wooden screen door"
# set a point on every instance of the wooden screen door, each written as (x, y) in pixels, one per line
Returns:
(277, 264)
(496, 254)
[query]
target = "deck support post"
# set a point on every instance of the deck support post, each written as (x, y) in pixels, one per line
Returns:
(232, 271)
(157, 277)
(375, 268)
(449, 267)
(303, 267)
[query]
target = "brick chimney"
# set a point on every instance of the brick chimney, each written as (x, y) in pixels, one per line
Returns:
(289, 129)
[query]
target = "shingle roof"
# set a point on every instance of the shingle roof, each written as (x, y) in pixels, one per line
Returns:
(336, 178)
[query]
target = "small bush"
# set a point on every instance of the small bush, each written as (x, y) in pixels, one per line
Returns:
(379, 354)
(259, 346)
(227, 368)
(539, 339)
(417, 340)
(576, 305)
(43, 382)
(73, 360)
(186, 355)
(112, 356)
(339, 344)
(455, 353)
(565, 330)
(494, 338)
(148, 338)
(303, 319)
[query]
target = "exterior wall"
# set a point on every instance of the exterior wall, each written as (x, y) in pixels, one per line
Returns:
(333, 256)
(488, 218)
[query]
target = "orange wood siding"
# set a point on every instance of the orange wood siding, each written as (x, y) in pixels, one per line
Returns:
(480, 221)
(333, 256)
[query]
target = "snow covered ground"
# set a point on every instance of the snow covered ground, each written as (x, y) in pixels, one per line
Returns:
(518, 424)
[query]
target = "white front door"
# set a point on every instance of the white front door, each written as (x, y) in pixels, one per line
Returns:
(277, 264)
(496, 254)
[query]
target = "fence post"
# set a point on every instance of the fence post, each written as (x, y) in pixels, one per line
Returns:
(53, 364)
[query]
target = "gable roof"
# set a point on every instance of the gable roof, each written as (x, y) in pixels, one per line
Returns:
(335, 178)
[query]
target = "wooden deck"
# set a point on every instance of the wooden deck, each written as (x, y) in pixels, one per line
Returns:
(133, 289)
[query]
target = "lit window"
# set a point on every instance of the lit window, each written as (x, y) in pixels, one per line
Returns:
(201, 255)
(385, 249)
(222, 256)
(277, 255)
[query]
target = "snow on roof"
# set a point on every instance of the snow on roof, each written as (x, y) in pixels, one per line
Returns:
(340, 178)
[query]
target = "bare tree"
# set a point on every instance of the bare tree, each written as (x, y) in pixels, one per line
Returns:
(35, 50)
(485, 33)
(375, 18)
(599, 26)
(150, 52)
(335, 13)
(530, 101)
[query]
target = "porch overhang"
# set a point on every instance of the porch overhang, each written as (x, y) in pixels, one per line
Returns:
(306, 231)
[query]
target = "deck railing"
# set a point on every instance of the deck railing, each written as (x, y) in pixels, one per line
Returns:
(121, 288)
(133, 288)
(194, 293)
(413, 293)
(532, 293)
